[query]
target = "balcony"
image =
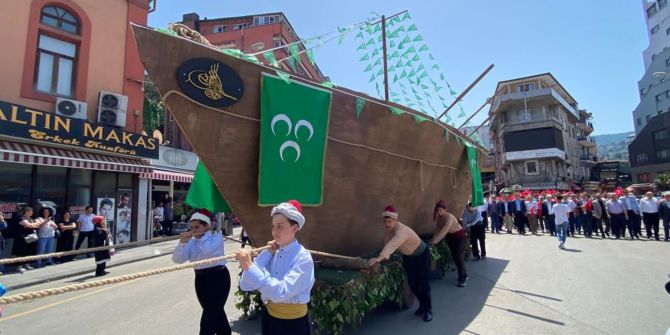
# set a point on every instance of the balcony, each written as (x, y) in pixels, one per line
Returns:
(586, 141)
(537, 93)
(587, 127)
(592, 160)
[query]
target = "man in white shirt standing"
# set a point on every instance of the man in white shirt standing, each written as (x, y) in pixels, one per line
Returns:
(561, 213)
(649, 209)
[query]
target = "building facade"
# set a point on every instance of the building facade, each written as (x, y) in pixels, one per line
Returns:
(254, 34)
(649, 152)
(71, 111)
(540, 136)
(656, 15)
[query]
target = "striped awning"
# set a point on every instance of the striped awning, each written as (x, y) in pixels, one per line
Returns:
(40, 155)
(168, 175)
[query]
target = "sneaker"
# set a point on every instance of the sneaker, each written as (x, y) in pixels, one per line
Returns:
(428, 317)
(483, 257)
(28, 267)
(461, 284)
(21, 269)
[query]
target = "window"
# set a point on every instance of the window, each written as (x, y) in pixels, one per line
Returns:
(79, 193)
(662, 3)
(643, 91)
(660, 134)
(240, 26)
(639, 121)
(647, 117)
(643, 178)
(654, 29)
(531, 168)
(59, 18)
(667, 31)
(641, 158)
(276, 41)
(663, 154)
(15, 182)
(651, 11)
(55, 66)
(526, 87)
(219, 28)
(50, 187)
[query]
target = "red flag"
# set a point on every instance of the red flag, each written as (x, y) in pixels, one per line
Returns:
(618, 191)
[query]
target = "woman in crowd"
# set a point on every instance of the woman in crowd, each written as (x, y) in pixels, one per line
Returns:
(66, 226)
(449, 229)
(46, 233)
(212, 281)
(101, 239)
(25, 242)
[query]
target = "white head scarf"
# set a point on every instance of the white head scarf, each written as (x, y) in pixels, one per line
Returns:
(291, 212)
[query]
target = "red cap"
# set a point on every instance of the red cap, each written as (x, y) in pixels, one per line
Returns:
(390, 208)
(98, 219)
(296, 204)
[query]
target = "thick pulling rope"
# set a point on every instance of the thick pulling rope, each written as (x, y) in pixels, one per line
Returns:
(115, 280)
(84, 251)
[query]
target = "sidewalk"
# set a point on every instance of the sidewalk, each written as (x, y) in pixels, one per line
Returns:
(17, 280)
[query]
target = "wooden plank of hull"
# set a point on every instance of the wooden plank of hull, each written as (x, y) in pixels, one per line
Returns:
(358, 181)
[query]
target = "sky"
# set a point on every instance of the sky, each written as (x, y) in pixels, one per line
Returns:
(593, 48)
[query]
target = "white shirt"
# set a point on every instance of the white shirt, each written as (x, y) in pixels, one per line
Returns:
(571, 205)
(561, 211)
(209, 245)
(531, 207)
(649, 205)
(158, 211)
(550, 207)
(85, 222)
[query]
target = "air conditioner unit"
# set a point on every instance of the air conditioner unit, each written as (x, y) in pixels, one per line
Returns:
(112, 109)
(71, 108)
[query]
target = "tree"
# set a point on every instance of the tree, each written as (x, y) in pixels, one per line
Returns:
(663, 181)
(154, 112)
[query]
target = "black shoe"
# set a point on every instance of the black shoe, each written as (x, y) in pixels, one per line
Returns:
(419, 311)
(102, 274)
(483, 257)
(476, 259)
(428, 317)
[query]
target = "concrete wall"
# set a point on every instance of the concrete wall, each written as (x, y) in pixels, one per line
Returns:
(660, 40)
(652, 87)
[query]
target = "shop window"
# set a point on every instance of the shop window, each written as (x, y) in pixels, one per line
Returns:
(15, 182)
(79, 192)
(105, 182)
(50, 183)
(663, 155)
(643, 178)
(57, 51)
(125, 180)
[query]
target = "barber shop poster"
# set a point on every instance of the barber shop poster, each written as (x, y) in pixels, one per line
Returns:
(123, 216)
(105, 209)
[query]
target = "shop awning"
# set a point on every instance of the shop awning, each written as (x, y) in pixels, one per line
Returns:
(168, 175)
(13, 152)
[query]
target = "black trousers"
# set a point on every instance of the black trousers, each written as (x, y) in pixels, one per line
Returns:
(417, 269)
(618, 225)
(212, 286)
(549, 222)
(456, 244)
(520, 223)
(598, 226)
(100, 269)
(167, 227)
(666, 228)
(651, 224)
(274, 326)
(88, 235)
(478, 240)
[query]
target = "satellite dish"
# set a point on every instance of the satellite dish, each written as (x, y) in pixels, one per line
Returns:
(158, 135)
(258, 46)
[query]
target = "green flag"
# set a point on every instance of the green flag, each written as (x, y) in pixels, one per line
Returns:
(203, 193)
(360, 103)
(294, 126)
(477, 191)
(295, 52)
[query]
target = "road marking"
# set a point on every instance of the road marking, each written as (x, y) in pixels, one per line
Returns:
(59, 302)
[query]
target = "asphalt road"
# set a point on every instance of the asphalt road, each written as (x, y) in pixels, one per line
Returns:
(526, 286)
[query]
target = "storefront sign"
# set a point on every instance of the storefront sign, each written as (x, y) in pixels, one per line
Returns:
(535, 154)
(23, 122)
(175, 159)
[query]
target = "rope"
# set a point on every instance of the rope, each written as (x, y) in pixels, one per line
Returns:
(208, 107)
(115, 280)
(186, 32)
(318, 253)
(83, 251)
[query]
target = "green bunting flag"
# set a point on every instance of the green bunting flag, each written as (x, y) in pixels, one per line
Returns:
(203, 192)
(441, 76)
(293, 135)
(328, 84)
(379, 94)
(452, 92)
(424, 48)
(377, 62)
(446, 134)
(391, 68)
(461, 114)
(406, 40)
(421, 67)
(396, 111)
(284, 76)
(361, 47)
(371, 42)
(375, 53)
(359, 35)
(294, 52)
(360, 103)
(310, 56)
(406, 16)
(368, 69)
(364, 58)
(416, 58)
(425, 87)
(380, 72)
(430, 56)
(372, 78)
(392, 44)
(291, 63)
(399, 64)
(412, 28)
(419, 118)
(418, 38)
(403, 74)
(270, 58)
(341, 30)
(378, 28)
(395, 54)
(395, 19)
(340, 39)
(393, 34)
(166, 31)
(477, 191)
(435, 67)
